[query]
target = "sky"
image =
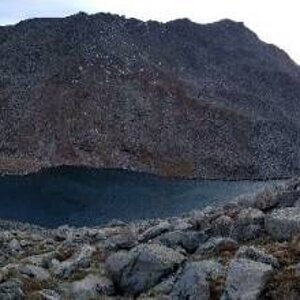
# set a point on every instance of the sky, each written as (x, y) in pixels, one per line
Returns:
(275, 21)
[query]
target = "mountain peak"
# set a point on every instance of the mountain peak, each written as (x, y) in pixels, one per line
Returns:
(176, 98)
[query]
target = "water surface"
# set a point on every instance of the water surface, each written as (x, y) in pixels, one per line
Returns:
(83, 197)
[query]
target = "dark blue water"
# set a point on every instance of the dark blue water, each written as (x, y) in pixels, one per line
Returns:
(80, 196)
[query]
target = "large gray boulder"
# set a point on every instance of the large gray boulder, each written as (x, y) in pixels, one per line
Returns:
(143, 267)
(192, 284)
(246, 279)
(283, 224)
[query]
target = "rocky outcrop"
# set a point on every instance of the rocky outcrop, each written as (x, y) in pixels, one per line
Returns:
(175, 258)
(175, 98)
(246, 279)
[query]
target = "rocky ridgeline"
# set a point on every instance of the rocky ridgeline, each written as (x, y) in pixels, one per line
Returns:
(173, 99)
(246, 249)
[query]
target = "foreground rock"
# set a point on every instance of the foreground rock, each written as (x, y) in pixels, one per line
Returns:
(142, 267)
(241, 250)
(192, 284)
(246, 279)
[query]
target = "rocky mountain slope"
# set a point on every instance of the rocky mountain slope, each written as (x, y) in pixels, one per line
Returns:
(174, 98)
(247, 249)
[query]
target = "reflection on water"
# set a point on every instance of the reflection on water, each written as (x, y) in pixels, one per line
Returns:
(81, 196)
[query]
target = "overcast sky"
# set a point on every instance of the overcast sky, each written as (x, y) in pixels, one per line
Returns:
(275, 21)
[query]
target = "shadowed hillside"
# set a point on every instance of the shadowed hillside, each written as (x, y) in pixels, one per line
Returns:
(176, 98)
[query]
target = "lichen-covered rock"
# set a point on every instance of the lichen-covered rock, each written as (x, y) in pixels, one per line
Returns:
(210, 267)
(249, 224)
(188, 240)
(82, 259)
(35, 272)
(222, 226)
(199, 220)
(246, 279)
(90, 287)
(162, 289)
(284, 195)
(180, 223)
(154, 231)
(142, 267)
(283, 224)
(192, 284)
(11, 290)
(255, 254)
(124, 240)
(14, 246)
(216, 245)
(46, 294)
(40, 260)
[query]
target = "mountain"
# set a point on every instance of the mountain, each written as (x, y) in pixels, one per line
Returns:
(175, 98)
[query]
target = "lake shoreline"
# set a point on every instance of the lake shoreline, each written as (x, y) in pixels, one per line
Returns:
(43, 169)
(81, 196)
(223, 248)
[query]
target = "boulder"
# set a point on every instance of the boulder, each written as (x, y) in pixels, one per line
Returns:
(154, 231)
(14, 246)
(210, 268)
(40, 260)
(164, 288)
(249, 224)
(255, 254)
(90, 287)
(124, 240)
(222, 226)
(34, 272)
(11, 290)
(279, 197)
(188, 240)
(142, 267)
(216, 245)
(82, 259)
(180, 223)
(192, 284)
(251, 216)
(283, 224)
(199, 220)
(266, 200)
(246, 279)
(46, 294)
